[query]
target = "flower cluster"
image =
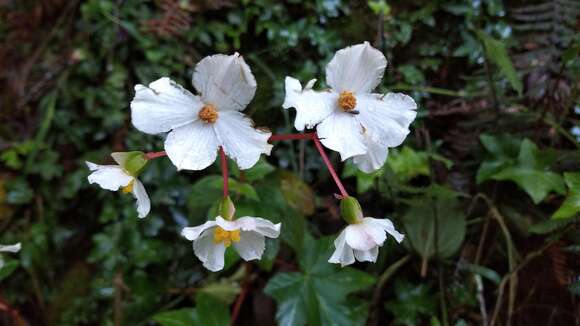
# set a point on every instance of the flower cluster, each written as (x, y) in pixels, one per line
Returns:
(348, 118)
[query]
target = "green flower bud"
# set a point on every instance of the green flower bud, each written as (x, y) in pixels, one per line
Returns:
(132, 162)
(350, 210)
(226, 208)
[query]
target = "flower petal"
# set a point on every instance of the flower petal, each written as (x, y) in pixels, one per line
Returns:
(343, 254)
(240, 140)
(11, 248)
(163, 106)
(192, 233)
(374, 158)
(387, 118)
(248, 223)
(364, 235)
(225, 81)
(341, 132)
(311, 106)
(386, 225)
(193, 146)
(110, 177)
(251, 245)
(143, 202)
(209, 252)
(358, 68)
(367, 255)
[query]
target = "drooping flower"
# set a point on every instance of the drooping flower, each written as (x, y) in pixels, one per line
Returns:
(199, 124)
(246, 234)
(123, 176)
(361, 239)
(349, 118)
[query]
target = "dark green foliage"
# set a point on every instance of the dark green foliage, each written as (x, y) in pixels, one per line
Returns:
(490, 167)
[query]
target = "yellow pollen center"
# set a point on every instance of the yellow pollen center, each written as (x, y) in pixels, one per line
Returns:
(128, 188)
(226, 237)
(346, 101)
(208, 114)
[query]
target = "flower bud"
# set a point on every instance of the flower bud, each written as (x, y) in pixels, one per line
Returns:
(226, 208)
(132, 162)
(350, 210)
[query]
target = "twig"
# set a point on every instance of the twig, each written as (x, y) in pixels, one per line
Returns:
(481, 299)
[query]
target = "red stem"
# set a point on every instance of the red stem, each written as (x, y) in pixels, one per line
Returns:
(329, 166)
(308, 135)
(224, 164)
(152, 155)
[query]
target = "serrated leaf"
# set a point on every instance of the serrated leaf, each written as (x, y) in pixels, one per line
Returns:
(317, 295)
(497, 53)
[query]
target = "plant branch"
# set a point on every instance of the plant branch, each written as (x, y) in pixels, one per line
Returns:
(331, 170)
(152, 155)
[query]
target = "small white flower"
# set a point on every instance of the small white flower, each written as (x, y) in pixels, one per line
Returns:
(247, 234)
(199, 124)
(349, 118)
(11, 248)
(113, 177)
(361, 241)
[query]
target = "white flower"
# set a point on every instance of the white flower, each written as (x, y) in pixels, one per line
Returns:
(247, 234)
(199, 124)
(361, 241)
(113, 177)
(11, 248)
(349, 118)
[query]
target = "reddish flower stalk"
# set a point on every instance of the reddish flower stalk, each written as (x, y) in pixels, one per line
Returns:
(329, 165)
(152, 155)
(224, 164)
(308, 135)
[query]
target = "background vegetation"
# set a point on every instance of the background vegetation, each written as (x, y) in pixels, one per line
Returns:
(486, 187)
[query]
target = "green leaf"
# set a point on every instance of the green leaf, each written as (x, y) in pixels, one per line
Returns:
(211, 312)
(208, 312)
(298, 194)
(224, 290)
(408, 163)
(529, 170)
(553, 225)
(413, 302)
(7, 267)
(180, 317)
(317, 295)
(571, 205)
(419, 226)
(496, 52)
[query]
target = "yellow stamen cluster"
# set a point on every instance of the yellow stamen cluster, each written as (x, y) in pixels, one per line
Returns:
(128, 188)
(346, 101)
(221, 235)
(208, 114)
